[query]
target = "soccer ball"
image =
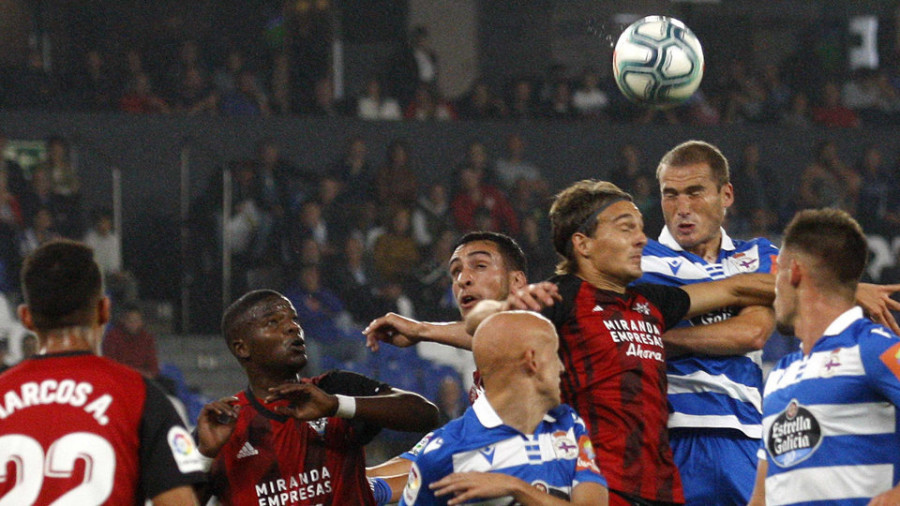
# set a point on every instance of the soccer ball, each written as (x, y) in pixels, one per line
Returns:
(658, 62)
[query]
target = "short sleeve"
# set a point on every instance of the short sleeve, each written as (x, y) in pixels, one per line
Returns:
(672, 302)
(414, 452)
(880, 351)
(426, 469)
(586, 468)
(168, 455)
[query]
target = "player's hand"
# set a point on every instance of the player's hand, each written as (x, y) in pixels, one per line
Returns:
(393, 329)
(468, 486)
(889, 498)
(215, 425)
(307, 401)
(534, 297)
(876, 301)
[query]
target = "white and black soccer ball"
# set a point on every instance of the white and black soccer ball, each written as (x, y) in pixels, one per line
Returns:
(658, 62)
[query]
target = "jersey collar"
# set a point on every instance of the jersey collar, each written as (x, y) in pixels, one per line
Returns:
(489, 418)
(844, 320)
(666, 239)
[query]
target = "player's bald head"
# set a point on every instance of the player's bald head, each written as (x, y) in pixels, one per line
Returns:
(503, 338)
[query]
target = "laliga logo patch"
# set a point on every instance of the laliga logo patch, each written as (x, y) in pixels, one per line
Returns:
(794, 435)
(413, 483)
(563, 446)
(184, 451)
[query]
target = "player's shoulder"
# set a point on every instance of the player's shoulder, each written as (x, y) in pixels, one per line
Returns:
(658, 249)
(763, 245)
(564, 417)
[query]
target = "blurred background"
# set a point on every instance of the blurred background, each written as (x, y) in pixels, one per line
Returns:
(334, 150)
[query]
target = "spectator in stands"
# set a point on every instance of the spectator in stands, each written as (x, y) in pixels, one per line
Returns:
(876, 193)
(311, 223)
(431, 216)
(193, 94)
(828, 181)
(757, 191)
(416, 64)
(188, 61)
(128, 342)
(354, 171)
(871, 95)
(374, 105)
(225, 77)
(481, 103)
(62, 167)
(798, 114)
(588, 99)
(284, 185)
(33, 85)
(396, 182)
(521, 100)
(40, 232)
(107, 246)
(541, 259)
(134, 66)
(629, 168)
(95, 87)
(324, 104)
(473, 196)
(559, 106)
(280, 84)
(395, 251)
(832, 112)
(139, 97)
(352, 277)
(247, 98)
(427, 104)
(450, 401)
(325, 322)
(515, 165)
(10, 209)
(432, 290)
(15, 177)
(778, 93)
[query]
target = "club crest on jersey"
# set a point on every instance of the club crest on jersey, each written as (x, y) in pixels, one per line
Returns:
(794, 435)
(642, 307)
(319, 425)
(564, 446)
(745, 261)
(832, 363)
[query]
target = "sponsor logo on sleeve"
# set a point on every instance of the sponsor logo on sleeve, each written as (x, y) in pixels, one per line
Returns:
(794, 435)
(184, 451)
(587, 459)
(891, 359)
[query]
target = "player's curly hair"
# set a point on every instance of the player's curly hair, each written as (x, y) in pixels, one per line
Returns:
(62, 285)
(575, 209)
(233, 318)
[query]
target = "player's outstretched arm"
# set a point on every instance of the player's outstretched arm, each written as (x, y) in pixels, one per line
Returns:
(756, 289)
(178, 496)
(533, 297)
(396, 409)
(758, 498)
(467, 486)
(393, 467)
(876, 301)
(747, 331)
(402, 332)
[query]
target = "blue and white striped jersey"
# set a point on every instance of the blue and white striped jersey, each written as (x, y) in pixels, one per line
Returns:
(555, 459)
(830, 427)
(711, 391)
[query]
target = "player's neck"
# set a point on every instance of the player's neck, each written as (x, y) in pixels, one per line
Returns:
(261, 383)
(708, 250)
(815, 316)
(517, 408)
(601, 280)
(70, 339)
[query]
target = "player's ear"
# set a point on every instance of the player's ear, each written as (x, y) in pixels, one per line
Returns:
(517, 279)
(796, 272)
(580, 243)
(104, 311)
(531, 361)
(727, 192)
(239, 349)
(25, 317)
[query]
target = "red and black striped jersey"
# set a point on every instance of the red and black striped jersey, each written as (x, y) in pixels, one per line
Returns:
(76, 428)
(612, 349)
(272, 459)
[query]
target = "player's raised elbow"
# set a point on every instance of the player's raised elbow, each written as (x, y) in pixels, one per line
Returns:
(421, 414)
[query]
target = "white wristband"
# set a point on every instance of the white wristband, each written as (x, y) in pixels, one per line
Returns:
(205, 462)
(346, 406)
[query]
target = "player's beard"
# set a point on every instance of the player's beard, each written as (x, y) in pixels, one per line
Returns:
(784, 328)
